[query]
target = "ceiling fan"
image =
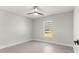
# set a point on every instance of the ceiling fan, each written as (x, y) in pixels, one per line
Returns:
(36, 11)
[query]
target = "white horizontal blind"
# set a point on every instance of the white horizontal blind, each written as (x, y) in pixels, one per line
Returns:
(48, 29)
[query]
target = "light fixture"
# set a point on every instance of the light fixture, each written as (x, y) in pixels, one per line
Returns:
(36, 11)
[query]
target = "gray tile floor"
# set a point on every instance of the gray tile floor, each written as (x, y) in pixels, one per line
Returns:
(37, 47)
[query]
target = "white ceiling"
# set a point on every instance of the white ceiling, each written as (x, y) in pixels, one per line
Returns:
(47, 10)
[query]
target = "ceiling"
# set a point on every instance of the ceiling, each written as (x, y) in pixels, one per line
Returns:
(47, 10)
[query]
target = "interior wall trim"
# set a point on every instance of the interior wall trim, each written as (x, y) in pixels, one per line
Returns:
(20, 42)
(15, 43)
(53, 42)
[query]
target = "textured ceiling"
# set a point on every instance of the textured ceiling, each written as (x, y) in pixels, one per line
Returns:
(47, 10)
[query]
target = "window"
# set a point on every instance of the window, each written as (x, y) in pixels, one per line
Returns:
(48, 29)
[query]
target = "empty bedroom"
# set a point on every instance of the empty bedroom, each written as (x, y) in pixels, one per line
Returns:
(36, 29)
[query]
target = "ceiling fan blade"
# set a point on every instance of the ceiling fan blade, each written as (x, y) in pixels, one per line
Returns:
(41, 13)
(36, 12)
(30, 13)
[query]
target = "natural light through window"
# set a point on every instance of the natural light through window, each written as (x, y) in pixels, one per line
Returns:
(48, 30)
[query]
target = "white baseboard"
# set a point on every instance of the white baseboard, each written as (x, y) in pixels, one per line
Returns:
(54, 42)
(20, 42)
(15, 43)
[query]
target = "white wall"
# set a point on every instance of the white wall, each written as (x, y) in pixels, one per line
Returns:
(13, 28)
(76, 23)
(63, 28)
(76, 28)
